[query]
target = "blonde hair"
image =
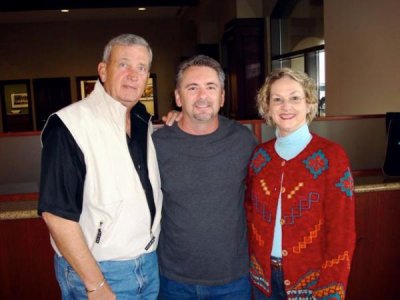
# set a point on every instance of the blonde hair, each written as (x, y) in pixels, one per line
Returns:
(307, 83)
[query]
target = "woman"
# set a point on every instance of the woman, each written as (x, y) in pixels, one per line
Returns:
(299, 199)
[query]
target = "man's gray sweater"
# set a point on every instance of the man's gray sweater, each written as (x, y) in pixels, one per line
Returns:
(203, 228)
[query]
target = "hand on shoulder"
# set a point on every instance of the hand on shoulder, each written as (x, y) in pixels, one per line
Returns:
(171, 117)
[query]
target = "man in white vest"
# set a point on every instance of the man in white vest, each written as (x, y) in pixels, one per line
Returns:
(100, 186)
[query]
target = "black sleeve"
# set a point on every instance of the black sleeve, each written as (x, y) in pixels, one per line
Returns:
(62, 172)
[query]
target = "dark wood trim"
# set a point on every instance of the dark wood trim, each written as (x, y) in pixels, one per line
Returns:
(257, 123)
(349, 117)
(19, 197)
(21, 133)
(18, 5)
(298, 52)
(366, 172)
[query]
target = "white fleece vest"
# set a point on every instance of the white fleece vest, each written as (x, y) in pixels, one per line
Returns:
(114, 202)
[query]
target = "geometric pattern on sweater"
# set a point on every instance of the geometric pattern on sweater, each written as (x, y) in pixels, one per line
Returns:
(296, 188)
(304, 204)
(261, 209)
(302, 289)
(260, 160)
(257, 236)
(307, 240)
(306, 281)
(264, 187)
(333, 291)
(257, 274)
(337, 260)
(316, 163)
(346, 184)
(299, 294)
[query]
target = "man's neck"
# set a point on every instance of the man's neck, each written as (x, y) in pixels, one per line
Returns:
(128, 122)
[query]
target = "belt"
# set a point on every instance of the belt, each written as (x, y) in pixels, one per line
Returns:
(276, 263)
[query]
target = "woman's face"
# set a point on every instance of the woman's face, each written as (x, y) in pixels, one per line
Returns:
(288, 107)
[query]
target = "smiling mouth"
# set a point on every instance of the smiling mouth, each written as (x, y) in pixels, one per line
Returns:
(287, 116)
(201, 104)
(129, 87)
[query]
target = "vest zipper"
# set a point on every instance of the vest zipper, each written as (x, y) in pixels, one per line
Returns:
(152, 239)
(99, 232)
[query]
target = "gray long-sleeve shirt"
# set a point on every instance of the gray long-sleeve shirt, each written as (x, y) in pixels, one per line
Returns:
(203, 237)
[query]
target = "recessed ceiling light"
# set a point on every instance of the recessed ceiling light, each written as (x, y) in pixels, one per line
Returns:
(65, 10)
(142, 8)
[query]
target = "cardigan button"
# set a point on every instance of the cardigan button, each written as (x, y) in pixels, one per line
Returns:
(287, 282)
(282, 222)
(284, 253)
(283, 190)
(283, 163)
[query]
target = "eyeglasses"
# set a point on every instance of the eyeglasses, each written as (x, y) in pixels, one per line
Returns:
(277, 101)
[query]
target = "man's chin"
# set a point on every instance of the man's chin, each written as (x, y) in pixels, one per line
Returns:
(203, 117)
(129, 102)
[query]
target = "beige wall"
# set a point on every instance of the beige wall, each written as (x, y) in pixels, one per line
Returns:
(73, 49)
(362, 40)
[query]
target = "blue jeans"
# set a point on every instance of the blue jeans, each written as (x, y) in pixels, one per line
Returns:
(278, 287)
(129, 279)
(237, 290)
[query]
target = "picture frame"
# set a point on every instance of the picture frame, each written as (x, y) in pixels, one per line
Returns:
(19, 100)
(149, 97)
(85, 85)
(16, 105)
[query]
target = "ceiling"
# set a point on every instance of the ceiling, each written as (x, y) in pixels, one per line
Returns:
(18, 11)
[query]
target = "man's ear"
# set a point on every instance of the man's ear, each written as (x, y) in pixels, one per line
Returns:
(178, 99)
(222, 98)
(101, 70)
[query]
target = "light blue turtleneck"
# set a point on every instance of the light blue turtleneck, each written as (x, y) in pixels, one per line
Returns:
(287, 148)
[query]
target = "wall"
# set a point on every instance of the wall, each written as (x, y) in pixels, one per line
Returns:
(361, 37)
(362, 42)
(364, 140)
(20, 164)
(73, 49)
(20, 155)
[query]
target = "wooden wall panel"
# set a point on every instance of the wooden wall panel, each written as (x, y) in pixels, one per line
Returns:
(376, 263)
(26, 261)
(26, 257)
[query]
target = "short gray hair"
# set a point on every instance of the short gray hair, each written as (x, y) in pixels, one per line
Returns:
(126, 39)
(200, 61)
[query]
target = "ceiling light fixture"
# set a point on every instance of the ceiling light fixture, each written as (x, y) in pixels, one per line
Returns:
(65, 10)
(142, 8)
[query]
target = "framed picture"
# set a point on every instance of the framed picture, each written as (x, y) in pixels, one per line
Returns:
(149, 97)
(16, 105)
(85, 85)
(19, 100)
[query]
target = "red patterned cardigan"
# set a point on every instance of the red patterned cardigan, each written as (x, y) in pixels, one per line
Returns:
(318, 218)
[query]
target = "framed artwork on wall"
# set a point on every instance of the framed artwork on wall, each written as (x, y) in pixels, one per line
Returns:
(85, 85)
(16, 106)
(19, 100)
(149, 97)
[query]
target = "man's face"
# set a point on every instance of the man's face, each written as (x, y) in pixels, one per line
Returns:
(200, 94)
(124, 76)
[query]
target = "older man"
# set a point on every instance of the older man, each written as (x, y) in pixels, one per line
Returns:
(100, 188)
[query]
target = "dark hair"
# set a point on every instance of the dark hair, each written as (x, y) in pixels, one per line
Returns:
(200, 61)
